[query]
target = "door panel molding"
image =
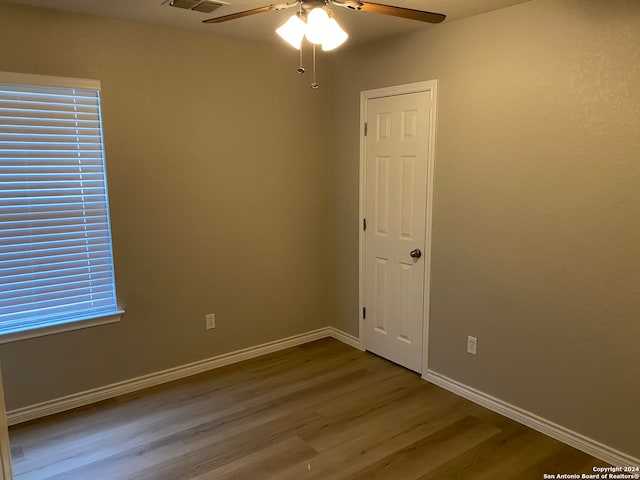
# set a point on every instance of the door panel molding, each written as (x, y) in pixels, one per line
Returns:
(432, 88)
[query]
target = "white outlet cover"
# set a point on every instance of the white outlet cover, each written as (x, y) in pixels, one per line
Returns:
(472, 345)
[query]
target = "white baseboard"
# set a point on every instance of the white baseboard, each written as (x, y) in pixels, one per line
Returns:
(581, 442)
(88, 397)
(346, 338)
(560, 433)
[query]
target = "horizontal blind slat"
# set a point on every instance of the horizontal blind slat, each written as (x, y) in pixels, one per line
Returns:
(7, 253)
(14, 220)
(50, 261)
(37, 224)
(89, 233)
(37, 296)
(53, 268)
(57, 278)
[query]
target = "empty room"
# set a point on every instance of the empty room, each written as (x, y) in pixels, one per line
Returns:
(319, 239)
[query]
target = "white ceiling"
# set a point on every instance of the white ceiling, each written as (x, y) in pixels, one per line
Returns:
(361, 26)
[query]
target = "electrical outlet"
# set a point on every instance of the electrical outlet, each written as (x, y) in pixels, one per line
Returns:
(472, 345)
(210, 320)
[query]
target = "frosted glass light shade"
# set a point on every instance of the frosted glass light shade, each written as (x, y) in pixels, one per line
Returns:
(317, 24)
(334, 35)
(292, 31)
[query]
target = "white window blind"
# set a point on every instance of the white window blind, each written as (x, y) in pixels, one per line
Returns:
(56, 264)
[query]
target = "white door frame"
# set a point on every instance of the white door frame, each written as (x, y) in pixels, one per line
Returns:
(5, 448)
(430, 86)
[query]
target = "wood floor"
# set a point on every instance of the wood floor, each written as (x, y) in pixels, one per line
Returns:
(318, 411)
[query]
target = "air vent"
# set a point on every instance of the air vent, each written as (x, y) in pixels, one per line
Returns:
(188, 4)
(207, 7)
(203, 6)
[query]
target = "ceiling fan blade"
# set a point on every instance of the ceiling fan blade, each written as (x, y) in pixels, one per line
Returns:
(233, 16)
(402, 12)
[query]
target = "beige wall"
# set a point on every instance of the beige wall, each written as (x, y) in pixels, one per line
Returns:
(218, 168)
(536, 230)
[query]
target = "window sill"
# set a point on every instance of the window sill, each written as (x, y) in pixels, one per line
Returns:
(61, 327)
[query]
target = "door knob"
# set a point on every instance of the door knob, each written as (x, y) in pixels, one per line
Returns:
(415, 253)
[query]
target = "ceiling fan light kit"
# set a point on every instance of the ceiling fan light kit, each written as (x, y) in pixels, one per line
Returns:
(321, 27)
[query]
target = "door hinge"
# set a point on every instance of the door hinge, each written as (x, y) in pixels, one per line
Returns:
(364, 224)
(364, 312)
(365, 128)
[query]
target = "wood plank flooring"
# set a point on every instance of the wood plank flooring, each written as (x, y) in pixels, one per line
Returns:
(318, 411)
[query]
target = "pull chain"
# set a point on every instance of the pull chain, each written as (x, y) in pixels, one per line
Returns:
(314, 84)
(301, 67)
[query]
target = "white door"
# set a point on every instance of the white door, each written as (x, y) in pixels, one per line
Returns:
(397, 152)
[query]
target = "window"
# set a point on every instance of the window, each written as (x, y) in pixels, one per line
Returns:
(56, 265)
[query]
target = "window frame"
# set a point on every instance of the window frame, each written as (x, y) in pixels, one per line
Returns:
(90, 320)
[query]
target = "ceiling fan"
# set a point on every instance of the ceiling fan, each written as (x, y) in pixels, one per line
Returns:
(316, 22)
(308, 5)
